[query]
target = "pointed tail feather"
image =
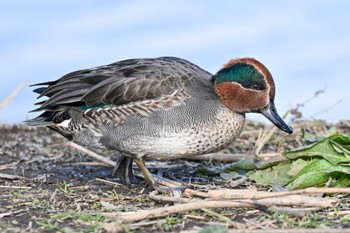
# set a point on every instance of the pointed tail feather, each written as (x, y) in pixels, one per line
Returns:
(45, 119)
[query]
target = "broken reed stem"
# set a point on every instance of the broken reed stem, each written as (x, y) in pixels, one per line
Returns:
(14, 187)
(92, 154)
(291, 200)
(192, 204)
(254, 195)
(153, 195)
(224, 194)
(163, 211)
(109, 182)
(8, 99)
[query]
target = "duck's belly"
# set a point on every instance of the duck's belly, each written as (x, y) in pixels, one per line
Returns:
(172, 143)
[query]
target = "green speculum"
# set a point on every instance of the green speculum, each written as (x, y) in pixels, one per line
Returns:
(97, 106)
(244, 74)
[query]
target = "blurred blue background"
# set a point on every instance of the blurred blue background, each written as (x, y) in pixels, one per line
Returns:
(305, 44)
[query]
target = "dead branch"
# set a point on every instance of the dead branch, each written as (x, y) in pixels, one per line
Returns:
(9, 176)
(14, 187)
(250, 194)
(163, 211)
(195, 205)
(153, 195)
(252, 199)
(92, 154)
(291, 200)
(9, 165)
(109, 182)
(294, 200)
(8, 99)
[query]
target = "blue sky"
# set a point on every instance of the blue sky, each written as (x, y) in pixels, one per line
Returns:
(304, 44)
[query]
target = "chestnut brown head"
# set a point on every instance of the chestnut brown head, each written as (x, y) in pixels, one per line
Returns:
(245, 85)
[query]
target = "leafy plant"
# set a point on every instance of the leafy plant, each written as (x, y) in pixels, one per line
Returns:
(322, 160)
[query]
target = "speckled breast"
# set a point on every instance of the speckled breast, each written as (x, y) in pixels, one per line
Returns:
(205, 137)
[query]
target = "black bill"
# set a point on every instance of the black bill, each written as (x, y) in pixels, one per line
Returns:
(270, 113)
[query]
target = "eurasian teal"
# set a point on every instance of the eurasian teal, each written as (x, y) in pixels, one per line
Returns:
(157, 109)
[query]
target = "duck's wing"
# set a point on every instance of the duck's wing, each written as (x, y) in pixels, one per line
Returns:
(119, 83)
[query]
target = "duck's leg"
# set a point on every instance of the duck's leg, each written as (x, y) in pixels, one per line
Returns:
(148, 176)
(123, 170)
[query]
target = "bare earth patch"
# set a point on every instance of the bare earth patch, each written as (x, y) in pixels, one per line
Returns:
(48, 186)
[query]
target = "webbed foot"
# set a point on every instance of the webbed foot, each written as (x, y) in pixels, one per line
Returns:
(123, 170)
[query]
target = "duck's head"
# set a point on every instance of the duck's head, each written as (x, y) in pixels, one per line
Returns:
(245, 85)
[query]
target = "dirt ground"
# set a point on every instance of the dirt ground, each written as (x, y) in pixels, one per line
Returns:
(48, 186)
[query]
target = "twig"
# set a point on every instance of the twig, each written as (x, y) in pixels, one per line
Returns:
(109, 182)
(92, 154)
(9, 165)
(295, 200)
(135, 226)
(10, 213)
(291, 200)
(173, 184)
(328, 108)
(9, 177)
(163, 211)
(191, 192)
(8, 99)
(153, 195)
(14, 187)
(254, 224)
(262, 140)
(249, 194)
(337, 213)
(238, 182)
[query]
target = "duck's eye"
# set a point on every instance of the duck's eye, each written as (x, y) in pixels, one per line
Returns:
(255, 87)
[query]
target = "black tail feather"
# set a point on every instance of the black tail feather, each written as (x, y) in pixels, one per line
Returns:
(45, 83)
(39, 90)
(45, 119)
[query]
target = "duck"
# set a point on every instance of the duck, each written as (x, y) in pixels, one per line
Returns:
(164, 108)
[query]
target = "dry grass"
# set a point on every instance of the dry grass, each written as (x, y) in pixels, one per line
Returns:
(53, 187)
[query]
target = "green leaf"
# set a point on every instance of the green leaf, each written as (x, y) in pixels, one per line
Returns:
(340, 149)
(318, 172)
(270, 162)
(297, 166)
(311, 175)
(310, 138)
(316, 164)
(230, 175)
(343, 181)
(309, 179)
(244, 165)
(346, 218)
(340, 138)
(341, 169)
(323, 148)
(276, 175)
(331, 131)
(205, 171)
